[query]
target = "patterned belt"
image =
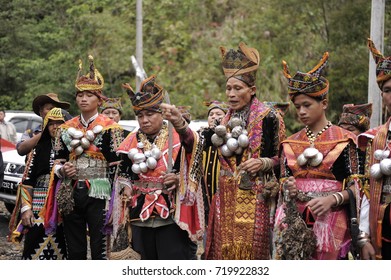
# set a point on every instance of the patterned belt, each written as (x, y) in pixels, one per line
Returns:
(88, 168)
(307, 196)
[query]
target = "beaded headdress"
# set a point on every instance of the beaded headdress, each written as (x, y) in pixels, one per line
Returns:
(310, 83)
(149, 97)
(55, 114)
(383, 64)
(241, 64)
(216, 104)
(92, 82)
(112, 103)
(356, 115)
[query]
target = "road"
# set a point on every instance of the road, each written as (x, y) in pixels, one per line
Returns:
(8, 250)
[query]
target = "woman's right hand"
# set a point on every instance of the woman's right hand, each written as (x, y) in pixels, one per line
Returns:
(28, 218)
(69, 170)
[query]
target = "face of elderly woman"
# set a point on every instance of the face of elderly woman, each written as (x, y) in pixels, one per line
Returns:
(238, 93)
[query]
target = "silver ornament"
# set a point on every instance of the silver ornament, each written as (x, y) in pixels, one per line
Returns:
(378, 154)
(310, 152)
(234, 122)
(316, 160)
(71, 131)
(221, 130)
(156, 153)
(140, 145)
(244, 131)
(239, 151)
(148, 154)
(74, 143)
(375, 171)
(79, 150)
(143, 167)
(227, 136)
(136, 168)
(232, 144)
(302, 160)
(217, 141)
(151, 163)
(84, 143)
(385, 166)
(386, 153)
(225, 151)
(243, 141)
(236, 131)
(90, 135)
(97, 129)
(131, 153)
(78, 134)
(139, 157)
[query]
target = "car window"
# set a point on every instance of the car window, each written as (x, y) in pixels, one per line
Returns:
(20, 124)
(35, 124)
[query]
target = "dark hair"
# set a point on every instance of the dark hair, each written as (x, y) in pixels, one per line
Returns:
(1, 110)
(316, 98)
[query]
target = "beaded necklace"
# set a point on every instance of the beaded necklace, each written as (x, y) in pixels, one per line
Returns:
(311, 136)
(159, 140)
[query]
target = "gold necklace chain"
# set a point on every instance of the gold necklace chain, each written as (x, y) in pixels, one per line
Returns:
(160, 139)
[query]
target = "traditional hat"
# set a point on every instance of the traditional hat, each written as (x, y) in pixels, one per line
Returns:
(241, 64)
(356, 115)
(310, 83)
(112, 103)
(383, 64)
(92, 82)
(149, 97)
(216, 104)
(43, 99)
(185, 112)
(55, 114)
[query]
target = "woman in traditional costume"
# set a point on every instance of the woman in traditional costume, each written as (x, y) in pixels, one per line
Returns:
(32, 195)
(314, 164)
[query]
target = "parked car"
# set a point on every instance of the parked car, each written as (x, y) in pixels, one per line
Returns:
(22, 121)
(13, 163)
(129, 125)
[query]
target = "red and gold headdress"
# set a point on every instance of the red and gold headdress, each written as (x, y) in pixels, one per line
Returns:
(92, 82)
(310, 83)
(241, 64)
(383, 64)
(149, 97)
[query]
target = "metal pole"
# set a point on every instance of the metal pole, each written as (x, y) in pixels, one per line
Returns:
(139, 38)
(377, 36)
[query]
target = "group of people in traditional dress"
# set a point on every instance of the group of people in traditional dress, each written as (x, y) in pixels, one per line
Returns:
(237, 189)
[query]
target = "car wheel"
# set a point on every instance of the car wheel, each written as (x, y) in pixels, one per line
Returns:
(10, 207)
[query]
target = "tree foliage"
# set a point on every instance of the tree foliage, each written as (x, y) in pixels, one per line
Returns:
(42, 41)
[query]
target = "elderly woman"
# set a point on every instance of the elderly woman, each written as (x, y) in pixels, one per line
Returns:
(247, 140)
(314, 164)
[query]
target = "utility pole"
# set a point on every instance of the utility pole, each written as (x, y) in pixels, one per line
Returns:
(139, 38)
(377, 36)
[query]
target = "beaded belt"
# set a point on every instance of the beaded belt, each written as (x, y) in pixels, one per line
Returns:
(148, 187)
(307, 196)
(88, 168)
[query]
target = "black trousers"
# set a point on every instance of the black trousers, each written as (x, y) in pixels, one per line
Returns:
(163, 243)
(88, 213)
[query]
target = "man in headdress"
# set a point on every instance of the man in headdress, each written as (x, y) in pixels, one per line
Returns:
(166, 210)
(86, 162)
(42, 104)
(375, 221)
(356, 118)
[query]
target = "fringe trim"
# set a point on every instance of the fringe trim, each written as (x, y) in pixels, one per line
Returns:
(100, 188)
(324, 237)
(237, 251)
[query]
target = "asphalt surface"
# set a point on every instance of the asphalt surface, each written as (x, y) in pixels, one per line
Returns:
(8, 250)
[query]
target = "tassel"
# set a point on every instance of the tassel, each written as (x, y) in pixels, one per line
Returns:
(100, 188)
(324, 237)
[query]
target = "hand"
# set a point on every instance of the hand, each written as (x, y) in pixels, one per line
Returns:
(171, 181)
(320, 205)
(28, 218)
(251, 166)
(171, 113)
(368, 252)
(291, 187)
(69, 170)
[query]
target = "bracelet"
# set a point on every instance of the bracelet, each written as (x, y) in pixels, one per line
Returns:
(181, 128)
(338, 200)
(24, 209)
(342, 198)
(267, 164)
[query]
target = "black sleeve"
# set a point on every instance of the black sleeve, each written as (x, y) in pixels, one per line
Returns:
(270, 135)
